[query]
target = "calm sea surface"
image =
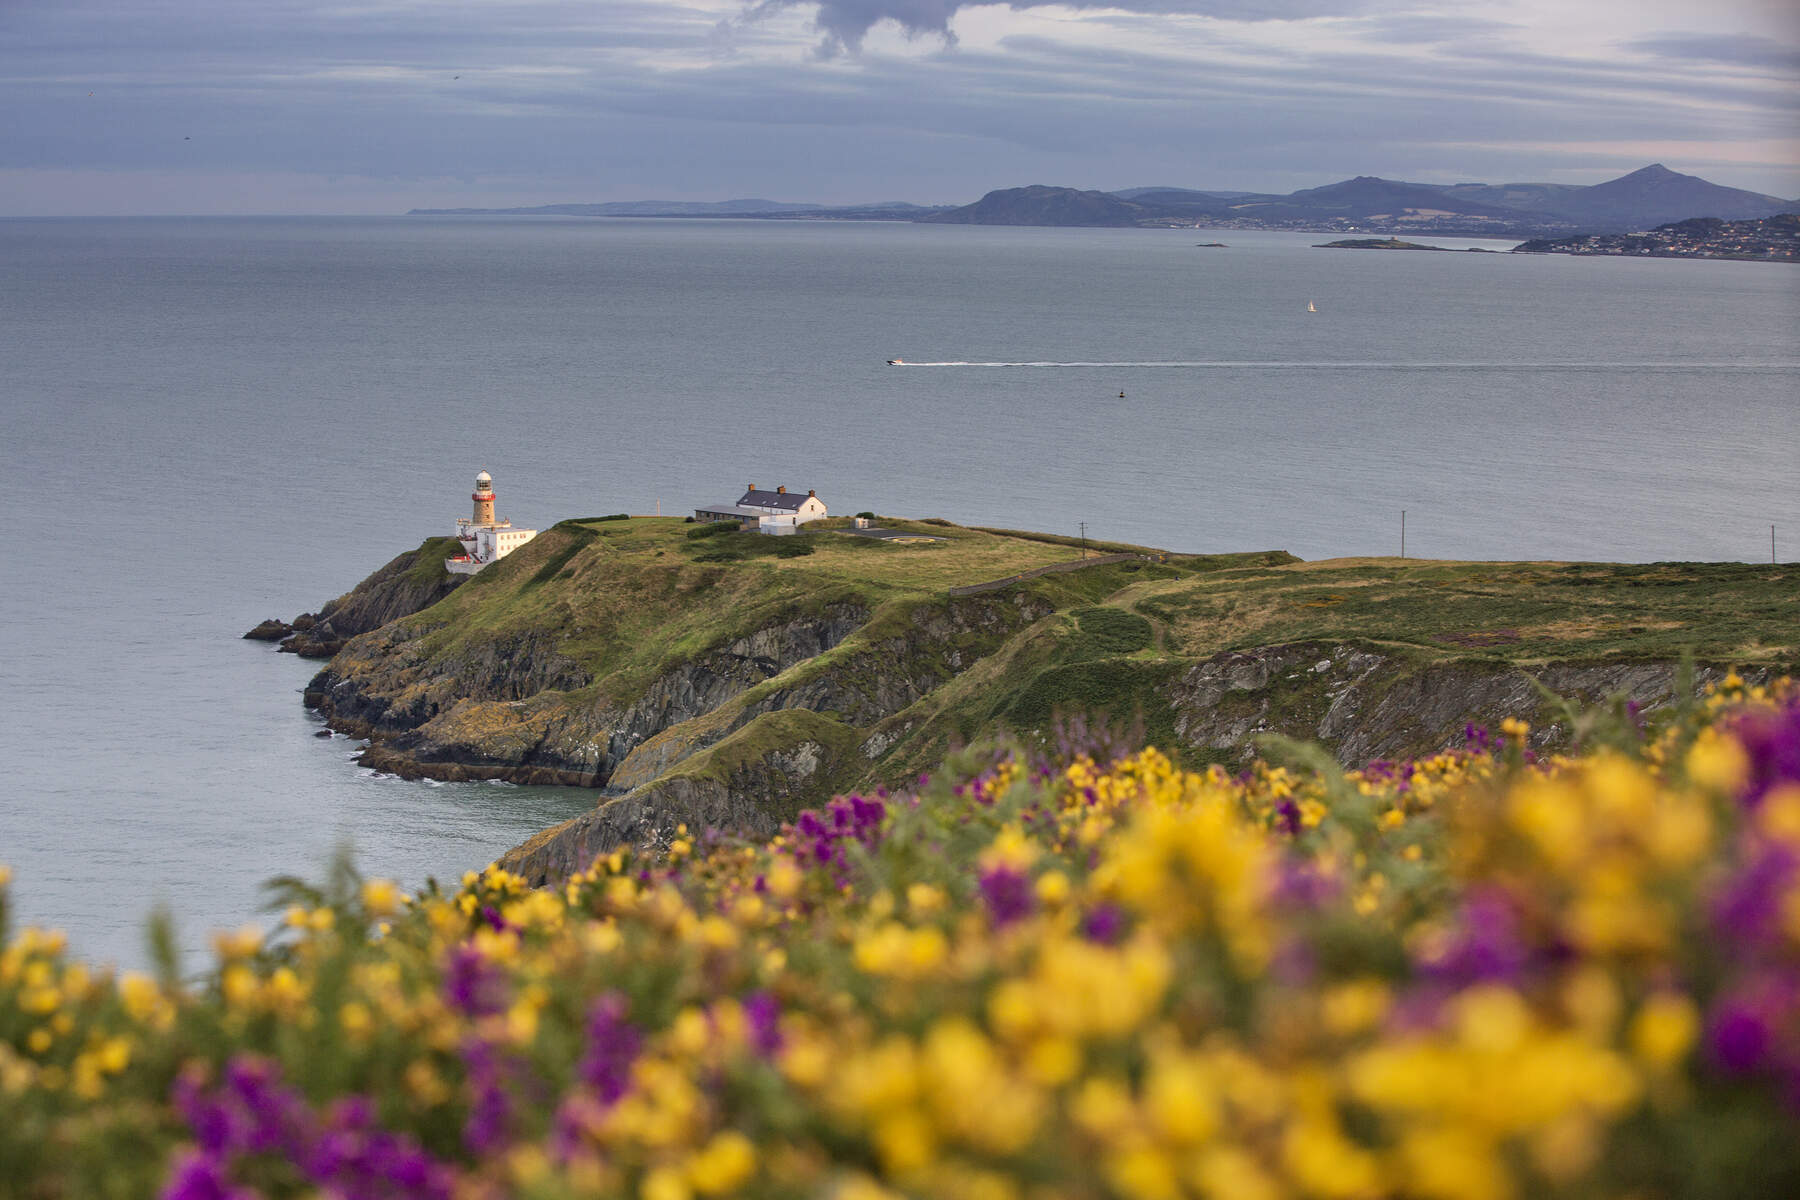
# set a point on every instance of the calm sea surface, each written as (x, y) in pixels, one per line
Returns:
(206, 422)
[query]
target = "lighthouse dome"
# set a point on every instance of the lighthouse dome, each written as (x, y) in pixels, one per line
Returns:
(484, 477)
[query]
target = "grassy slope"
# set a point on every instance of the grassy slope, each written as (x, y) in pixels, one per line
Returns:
(1486, 615)
(630, 599)
(1526, 613)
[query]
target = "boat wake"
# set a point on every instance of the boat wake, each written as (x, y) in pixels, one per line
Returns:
(1235, 365)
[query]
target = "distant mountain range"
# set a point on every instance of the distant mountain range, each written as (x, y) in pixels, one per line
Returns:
(1642, 200)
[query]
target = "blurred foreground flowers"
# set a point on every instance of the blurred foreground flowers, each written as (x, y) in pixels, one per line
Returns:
(1472, 977)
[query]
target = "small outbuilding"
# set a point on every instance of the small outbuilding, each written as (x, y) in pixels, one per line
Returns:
(778, 512)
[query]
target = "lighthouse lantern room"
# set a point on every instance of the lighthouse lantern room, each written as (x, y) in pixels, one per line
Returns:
(484, 539)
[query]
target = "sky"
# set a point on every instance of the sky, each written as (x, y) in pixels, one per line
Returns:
(377, 106)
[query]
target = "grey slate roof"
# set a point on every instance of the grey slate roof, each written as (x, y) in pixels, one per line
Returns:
(766, 499)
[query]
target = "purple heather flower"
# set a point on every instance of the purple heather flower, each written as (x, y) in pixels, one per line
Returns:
(486, 1127)
(821, 836)
(613, 1045)
(1739, 1037)
(1747, 909)
(762, 1012)
(199, 1176)
(345, 1154)
(1287, 818)
(1772, 742)
(210, 1121)
(472, 985)
(1105, 924)
(1008, 894)
(1487, 944)
(1300, 884)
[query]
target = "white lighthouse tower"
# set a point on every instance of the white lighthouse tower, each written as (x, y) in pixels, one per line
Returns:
(484, 539)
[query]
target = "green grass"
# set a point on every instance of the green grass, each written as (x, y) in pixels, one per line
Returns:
(1516, 612)
(1109, 631)
(1122, 690)
(428, 560)
(628, 600)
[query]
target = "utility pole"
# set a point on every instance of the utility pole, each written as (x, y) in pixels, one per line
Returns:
(1771, 545)
(1403, 533)
(1083, 525)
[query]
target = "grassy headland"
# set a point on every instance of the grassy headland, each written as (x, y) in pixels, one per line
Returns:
(661, 657)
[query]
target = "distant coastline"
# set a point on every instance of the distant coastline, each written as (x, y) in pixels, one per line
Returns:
(1774, 239)
(1644, 199)
(1394, 243)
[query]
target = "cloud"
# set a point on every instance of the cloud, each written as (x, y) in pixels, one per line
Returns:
(537, 101)
(1736, 51)
(845, 23)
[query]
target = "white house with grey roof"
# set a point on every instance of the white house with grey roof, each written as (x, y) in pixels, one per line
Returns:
(778, 512)
(485, 539)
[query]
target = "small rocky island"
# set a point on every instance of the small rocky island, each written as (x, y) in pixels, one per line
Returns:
(1771, 239)
(1394, 243)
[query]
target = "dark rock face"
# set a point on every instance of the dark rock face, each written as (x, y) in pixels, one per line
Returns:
(646, 819)
(410, 583)
(1366, 705)
(650, 817)
(505, 709)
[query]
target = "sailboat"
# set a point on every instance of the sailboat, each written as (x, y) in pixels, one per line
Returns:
(1310, 308)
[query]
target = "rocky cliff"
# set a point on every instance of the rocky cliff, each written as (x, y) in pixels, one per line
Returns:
(1365, 704)
(410, 583)
(723, 682)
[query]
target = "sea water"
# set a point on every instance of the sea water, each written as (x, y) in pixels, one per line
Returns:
(205, 422)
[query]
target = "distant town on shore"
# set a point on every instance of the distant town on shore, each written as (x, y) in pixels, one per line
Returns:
(1641, 201)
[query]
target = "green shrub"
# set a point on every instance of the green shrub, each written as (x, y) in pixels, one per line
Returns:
(790, 547)
(1120, 689)
(579, 539)
(867, 516)
(1110, 631)
(706, 529)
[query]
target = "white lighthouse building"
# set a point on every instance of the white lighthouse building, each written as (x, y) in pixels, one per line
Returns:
(484, 540)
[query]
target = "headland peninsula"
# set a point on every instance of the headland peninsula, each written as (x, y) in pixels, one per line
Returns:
(1394, 243)
(702, 676)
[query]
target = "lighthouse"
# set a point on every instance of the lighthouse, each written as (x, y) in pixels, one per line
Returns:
(485, 538)
(484, 499)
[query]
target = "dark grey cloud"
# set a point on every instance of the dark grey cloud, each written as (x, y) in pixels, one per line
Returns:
(845, 23)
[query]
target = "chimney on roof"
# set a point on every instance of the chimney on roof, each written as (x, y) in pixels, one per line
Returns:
(750, 487)
(782, 490)
(811, 492)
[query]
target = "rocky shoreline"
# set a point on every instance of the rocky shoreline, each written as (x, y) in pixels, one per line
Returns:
(409, 583)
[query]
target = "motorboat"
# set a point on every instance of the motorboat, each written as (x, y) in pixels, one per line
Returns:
(896, 362)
